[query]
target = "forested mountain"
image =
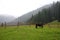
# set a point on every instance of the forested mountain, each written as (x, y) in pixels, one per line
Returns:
(47, 14)
(24, 18)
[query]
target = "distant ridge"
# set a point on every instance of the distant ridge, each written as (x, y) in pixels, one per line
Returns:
(6, 18)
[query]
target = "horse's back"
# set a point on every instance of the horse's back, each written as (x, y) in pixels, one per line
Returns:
(40, 25)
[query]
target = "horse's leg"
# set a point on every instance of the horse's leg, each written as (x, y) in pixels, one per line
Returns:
(36, 26)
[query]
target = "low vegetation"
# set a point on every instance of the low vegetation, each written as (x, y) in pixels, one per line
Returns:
(29, 32)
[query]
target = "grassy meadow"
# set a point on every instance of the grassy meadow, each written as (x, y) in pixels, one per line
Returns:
(29, 32)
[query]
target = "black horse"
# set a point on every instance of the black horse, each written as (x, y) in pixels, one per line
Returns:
(40, 25)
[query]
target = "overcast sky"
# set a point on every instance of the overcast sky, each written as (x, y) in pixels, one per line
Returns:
(19, 7)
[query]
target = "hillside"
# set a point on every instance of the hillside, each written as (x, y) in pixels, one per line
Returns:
(24, 18)
(47, 15)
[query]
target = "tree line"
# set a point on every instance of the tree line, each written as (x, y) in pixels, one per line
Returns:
(47, 14)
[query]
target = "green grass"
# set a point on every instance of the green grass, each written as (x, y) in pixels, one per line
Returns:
(29, 33)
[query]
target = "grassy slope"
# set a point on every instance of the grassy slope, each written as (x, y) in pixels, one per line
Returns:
(29, 33)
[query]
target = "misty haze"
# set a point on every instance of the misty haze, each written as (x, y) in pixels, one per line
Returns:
(29, 20)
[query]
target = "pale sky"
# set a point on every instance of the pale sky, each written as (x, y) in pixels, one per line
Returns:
(20, 7)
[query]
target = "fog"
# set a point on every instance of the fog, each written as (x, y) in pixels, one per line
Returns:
(18, 8)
